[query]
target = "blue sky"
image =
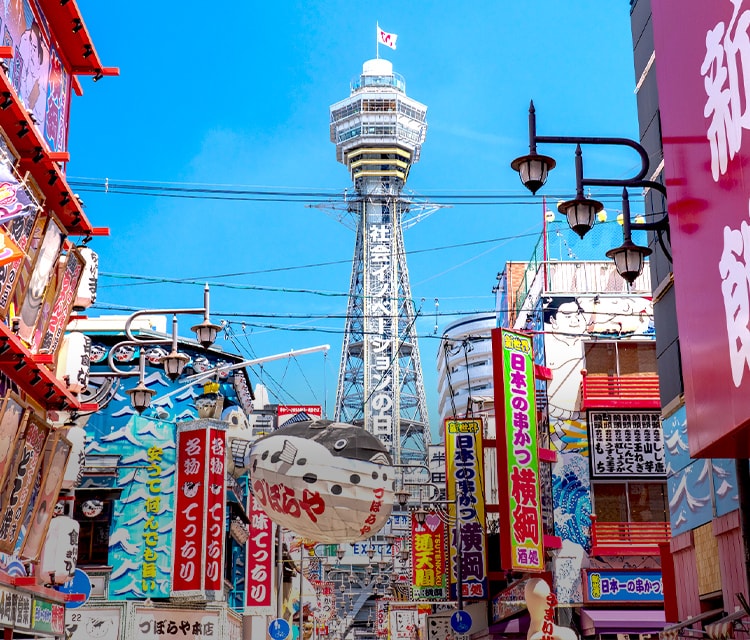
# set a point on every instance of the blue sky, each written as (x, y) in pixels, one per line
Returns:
(240, 97)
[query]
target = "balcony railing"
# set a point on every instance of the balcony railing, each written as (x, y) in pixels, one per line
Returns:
(627, 538)
(601, 391)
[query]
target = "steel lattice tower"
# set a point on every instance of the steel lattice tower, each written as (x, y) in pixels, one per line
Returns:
(378, 132)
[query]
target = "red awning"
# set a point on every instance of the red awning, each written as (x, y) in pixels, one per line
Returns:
(594, 621)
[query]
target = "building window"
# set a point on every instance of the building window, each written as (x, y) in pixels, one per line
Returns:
(93, 539)
(630, 501)
(620, 358)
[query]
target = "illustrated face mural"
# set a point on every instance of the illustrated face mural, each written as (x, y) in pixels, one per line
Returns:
(329, 481)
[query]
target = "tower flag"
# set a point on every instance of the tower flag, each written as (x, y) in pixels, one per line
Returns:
(388, 39)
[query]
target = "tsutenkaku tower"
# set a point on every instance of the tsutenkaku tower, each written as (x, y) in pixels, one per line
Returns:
(378, 131)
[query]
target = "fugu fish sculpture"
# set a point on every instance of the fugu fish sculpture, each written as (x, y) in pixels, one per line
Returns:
(328, 481)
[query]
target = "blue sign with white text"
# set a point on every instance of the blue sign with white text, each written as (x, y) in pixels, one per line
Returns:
(278, 629)
(624, 586)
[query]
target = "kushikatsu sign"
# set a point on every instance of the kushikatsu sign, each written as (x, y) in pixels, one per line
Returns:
(464, 464)
(522, 542)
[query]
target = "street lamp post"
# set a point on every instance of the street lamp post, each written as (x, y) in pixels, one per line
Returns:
(580, 212)
(174, 362)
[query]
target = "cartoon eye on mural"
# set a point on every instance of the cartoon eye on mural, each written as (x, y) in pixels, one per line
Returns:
(329, 481)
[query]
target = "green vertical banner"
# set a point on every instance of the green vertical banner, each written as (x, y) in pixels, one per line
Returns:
(522, 540)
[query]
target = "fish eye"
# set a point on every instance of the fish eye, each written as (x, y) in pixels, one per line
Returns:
(339, 444)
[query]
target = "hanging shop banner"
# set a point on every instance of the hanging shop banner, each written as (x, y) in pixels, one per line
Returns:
(623, 586)
(12, 417)
(382, 606)
(216, 505)
(325, 590)
(428, 575)
(259, 564)
(9, 250)
(53, 469)
(703, 98)
(465, 464)
(28, 299)
(22, 473)
(26, 232)
(190, 624)
(63, 302)
(521, 539)
(190, 514)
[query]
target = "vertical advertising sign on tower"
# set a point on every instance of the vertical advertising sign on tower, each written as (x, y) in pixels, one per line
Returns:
(465, 489)
(198, 551)
(521, 537)
(381, 410)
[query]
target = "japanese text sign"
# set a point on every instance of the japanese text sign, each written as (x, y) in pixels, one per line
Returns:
(158, 624)
(259, 561)
(521, 541)
(215, 510)
(623, 586)
(428, 576)
(465, 488)
(19, 482)
(701, 52)
(198, 548)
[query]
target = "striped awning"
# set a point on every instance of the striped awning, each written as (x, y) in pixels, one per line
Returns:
(675, 630)
(724, 628)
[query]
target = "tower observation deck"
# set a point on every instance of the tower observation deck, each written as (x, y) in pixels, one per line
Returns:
(378, 132)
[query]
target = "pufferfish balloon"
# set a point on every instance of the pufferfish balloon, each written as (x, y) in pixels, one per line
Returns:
(329, 481)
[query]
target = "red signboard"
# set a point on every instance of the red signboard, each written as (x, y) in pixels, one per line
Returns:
(428, 566)
(215, 508)
(704, 92)
(189, 543)
(259, 564)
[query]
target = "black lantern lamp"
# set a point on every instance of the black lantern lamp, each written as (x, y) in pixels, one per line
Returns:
(206, 331)
(140, 395)
(628, 257)
(533, 168)
(581, 212)
(174, 362)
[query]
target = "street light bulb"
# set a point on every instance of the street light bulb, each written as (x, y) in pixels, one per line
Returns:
(140, 397)
(629, 259)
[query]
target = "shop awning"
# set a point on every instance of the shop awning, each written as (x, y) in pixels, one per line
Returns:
(595, 621)
(724, 628)
(511, 626)
(683, 628)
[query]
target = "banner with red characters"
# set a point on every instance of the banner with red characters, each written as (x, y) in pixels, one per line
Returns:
(198, 546)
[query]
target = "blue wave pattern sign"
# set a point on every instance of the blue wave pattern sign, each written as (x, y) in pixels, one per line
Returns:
(140, 542)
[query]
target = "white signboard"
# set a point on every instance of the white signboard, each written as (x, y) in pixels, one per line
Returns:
(626, 445)
(89, 623)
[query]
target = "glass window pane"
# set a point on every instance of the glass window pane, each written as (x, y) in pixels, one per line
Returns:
(610, 502)
(648, 502)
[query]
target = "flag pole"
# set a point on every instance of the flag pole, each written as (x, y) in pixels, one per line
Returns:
(377, 41)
